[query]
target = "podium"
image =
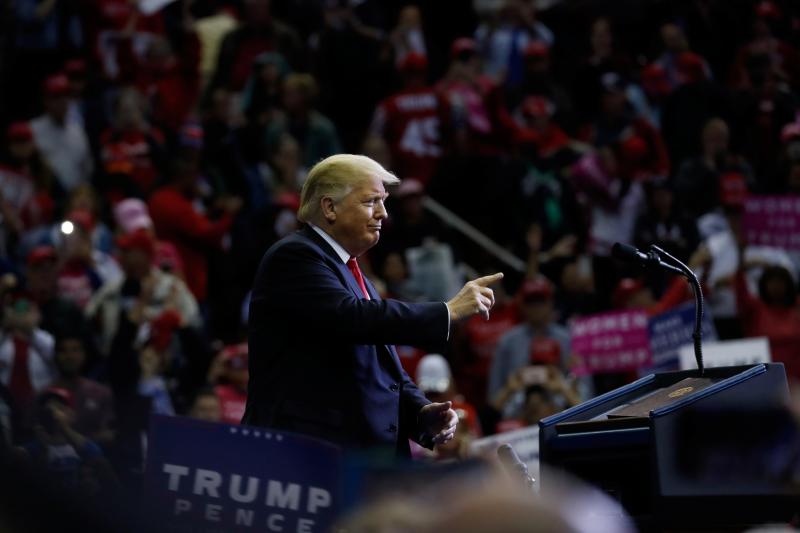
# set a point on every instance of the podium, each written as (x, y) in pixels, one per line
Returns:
(679, 451)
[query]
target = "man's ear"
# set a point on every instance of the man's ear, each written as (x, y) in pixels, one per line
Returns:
(328, 208)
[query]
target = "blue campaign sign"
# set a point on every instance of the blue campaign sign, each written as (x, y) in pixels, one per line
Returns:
(671, 330)
(206, 477)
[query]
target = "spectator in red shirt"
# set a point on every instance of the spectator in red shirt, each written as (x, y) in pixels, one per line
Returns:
(230, 373)
(409, 121)
(476, 120)
(131, 150)
(170, 80)
(773, 314)
(178, 220)
(616, 123)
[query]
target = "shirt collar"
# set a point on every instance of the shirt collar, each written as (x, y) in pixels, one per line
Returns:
(341, 252)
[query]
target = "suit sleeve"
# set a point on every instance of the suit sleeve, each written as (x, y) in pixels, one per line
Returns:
(411, 402)
(296, 285)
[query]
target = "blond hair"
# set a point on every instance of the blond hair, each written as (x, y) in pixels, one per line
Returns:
(335, 177)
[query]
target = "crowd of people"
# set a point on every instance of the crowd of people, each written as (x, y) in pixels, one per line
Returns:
(150, 156)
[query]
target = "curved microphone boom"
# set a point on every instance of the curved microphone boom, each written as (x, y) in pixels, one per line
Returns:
(654, 258)
(697, 334)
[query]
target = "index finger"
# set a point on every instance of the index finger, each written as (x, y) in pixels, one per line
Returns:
(488, 280)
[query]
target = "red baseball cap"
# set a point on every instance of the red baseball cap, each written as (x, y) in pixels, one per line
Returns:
(463, 46)
(545, 351)
(140, 239)
(536, 290)
(41, 254)
(768, 10)
(288, 200)
(537, 49)
(19, 132)
(75, 68)
(56, 85)
(691, 67)
(624, 290)
(732, 189)
(235, 357)
(413, 62)
(538, 106)
(410, 187)
(82, 218)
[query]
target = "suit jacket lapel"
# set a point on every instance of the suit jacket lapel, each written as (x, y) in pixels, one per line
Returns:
(352, 284)
(395, 360)
(394, 365)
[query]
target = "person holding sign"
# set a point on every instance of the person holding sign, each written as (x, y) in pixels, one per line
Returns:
(322, 360)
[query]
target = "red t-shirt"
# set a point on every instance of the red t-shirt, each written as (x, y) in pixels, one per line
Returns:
(410, 123)
(192, 233)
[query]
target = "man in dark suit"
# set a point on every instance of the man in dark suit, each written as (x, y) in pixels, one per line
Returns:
(320, 338)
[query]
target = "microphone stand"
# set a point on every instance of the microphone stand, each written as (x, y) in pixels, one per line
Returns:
(697, 335)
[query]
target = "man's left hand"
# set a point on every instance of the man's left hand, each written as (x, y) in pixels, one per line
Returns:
(439, 420)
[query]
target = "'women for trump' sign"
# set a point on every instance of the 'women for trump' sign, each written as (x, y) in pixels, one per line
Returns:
(611, 342)
(773, 221)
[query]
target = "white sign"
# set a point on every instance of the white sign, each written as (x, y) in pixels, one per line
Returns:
(728, 353)
(525, 442)
(148, 7)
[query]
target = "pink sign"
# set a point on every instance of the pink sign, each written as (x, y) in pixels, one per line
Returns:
(611, 342)
(773, 221)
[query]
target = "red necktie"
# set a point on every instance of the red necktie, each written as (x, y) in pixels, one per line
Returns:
(20, 383)
(352, 264)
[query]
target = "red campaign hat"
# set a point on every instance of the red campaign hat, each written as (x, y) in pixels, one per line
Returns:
(41, 254)
(413, 62)
(536, 289)
(790, 132)
(410, 187)
(19, 132)
(288, 200)
(235, 356)
(545, 351)
(654, 78)
(162, 328)
(538, 106)
(463, 45)
(537, 49)
(691, 66)
(82, 218)
(59, 393)
(732, 189)
(140, 239)
(192, 135)
(634, 148)
(56, 85)
(768, 10)
(166, 257)
(624, 290)
(75, 68)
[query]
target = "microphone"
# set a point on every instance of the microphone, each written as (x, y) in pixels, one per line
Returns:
(629, 254)
(514, 466)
